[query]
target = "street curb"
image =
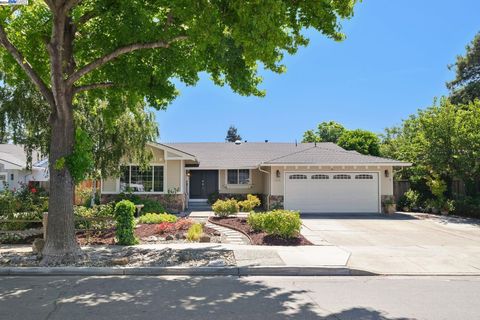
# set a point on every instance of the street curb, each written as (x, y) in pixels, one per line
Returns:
(184, 271)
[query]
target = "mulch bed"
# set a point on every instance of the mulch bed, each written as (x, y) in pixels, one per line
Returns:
(107, 237)
(258, 238)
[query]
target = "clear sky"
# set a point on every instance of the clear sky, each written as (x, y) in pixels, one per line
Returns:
(393, 62)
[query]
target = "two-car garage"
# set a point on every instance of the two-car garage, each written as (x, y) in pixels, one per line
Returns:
(330, 192)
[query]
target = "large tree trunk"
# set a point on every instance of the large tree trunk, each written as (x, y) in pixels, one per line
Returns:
(61, 246)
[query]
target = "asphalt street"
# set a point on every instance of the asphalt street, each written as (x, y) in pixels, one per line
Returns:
(365, 298)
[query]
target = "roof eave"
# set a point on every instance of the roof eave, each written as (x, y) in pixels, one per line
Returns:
(393, 164)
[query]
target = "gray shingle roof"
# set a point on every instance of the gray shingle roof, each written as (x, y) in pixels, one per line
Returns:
(316, 155)
(221, 155)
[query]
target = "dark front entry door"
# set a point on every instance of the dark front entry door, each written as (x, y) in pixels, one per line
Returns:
(203, 183)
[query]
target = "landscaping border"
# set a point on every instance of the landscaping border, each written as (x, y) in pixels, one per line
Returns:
(232, 228)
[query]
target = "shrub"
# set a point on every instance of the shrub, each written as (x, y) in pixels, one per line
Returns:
(467, 206)
(152, 206)
(85, 218)
(124, 215)
(164, 227)
(213, 197)
(250, 203)
(224, 208)
(194, 232)
(151, 218)
(282, 223)
(255, 221)
(183, 224)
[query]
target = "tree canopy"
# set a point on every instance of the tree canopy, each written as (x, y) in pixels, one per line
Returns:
(129, 52)
(466, 85)
(232, 134)
(443, 142)
(326, 132)
(362, 141)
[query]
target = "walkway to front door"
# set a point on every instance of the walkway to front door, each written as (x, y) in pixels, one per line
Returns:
(203, 183)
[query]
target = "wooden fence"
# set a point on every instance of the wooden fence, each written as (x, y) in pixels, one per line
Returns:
(402, 186)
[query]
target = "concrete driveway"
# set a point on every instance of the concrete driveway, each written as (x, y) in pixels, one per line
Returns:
(401, 243)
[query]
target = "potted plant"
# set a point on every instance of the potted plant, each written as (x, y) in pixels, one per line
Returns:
(390, 206)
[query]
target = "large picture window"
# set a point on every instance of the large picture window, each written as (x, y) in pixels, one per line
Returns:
(134, 179)
(238, 176)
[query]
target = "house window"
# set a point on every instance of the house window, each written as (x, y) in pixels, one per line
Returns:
(238, 176)
(297, 177)
(320, 177)
(342, 177)
(364, 177)
(136, 179)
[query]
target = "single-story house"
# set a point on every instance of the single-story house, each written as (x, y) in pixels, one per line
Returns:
(310, 177)
(15, 170)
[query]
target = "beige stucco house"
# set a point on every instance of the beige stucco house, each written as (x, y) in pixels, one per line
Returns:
(309, 177)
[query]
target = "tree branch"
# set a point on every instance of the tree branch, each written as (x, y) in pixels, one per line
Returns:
(118, 52)
(85, 18)
(92, 86)
(25, 65)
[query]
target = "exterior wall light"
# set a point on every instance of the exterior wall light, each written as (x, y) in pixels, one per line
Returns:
(387, 174)
(277, 173)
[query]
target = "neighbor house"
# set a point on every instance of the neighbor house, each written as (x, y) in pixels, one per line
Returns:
(16, 170)
(309, 177)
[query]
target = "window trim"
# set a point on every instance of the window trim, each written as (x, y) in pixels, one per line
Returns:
(239, 185)
(153, 178)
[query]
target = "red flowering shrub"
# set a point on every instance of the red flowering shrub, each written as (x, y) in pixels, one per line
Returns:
(164, 227)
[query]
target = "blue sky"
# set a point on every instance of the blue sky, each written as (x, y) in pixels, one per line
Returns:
(393, 62)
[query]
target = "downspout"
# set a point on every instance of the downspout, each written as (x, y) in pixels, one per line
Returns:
(269, 185)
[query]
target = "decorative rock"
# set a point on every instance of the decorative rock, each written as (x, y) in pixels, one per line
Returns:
(38, 245)
(178, 236)
(216, 263)
(204, 238)
(169, 237)
(119, 261)
(217, 234)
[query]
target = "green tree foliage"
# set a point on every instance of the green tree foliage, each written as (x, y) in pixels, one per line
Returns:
(466, 85)
(128, 52)
(443, 142)
(232, 134)
(326, 132)
(362, 141)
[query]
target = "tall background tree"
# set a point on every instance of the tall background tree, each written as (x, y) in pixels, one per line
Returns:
(362, 141)
(126, 52)
(466, 85)
(232, 134)
(326, 132)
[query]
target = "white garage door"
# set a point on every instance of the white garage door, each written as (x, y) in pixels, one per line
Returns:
(332, 191)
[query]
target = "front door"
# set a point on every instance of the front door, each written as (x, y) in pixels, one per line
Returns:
(203, 183)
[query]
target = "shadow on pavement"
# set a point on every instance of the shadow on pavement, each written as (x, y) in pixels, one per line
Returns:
(160, 298)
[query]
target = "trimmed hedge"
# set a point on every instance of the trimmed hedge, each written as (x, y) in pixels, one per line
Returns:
(124, 215)
(281, 223)
(152, 218)
(224, 208)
